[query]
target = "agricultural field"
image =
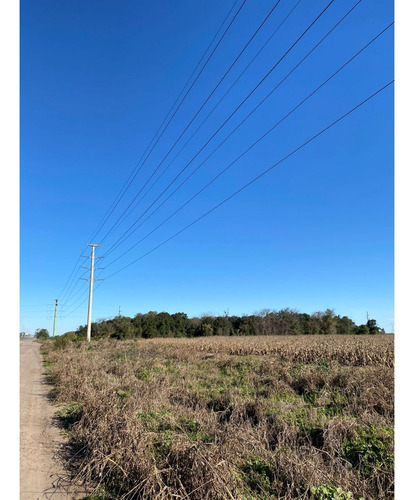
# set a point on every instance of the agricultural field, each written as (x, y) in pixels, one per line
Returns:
(269, 417)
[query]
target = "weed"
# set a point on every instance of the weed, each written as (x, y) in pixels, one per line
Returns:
(99, 494)
(327, 492)
(324, 364)
(370, 448)
(194, 430)
(258, 475)
(156, 420)
(162, 445)
(69, 415)
(311, 397)
(336, 404)
(147, 373)
(123, 393)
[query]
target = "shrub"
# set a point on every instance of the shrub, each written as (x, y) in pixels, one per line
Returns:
(42, 334)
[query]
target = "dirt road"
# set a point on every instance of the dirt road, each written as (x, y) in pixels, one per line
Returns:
(42, 475)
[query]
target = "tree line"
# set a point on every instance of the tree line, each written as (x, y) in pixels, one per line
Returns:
(267, 322)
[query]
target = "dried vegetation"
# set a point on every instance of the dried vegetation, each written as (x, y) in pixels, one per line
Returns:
(230, 418)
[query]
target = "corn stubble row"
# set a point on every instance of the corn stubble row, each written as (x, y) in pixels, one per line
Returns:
(346, 350)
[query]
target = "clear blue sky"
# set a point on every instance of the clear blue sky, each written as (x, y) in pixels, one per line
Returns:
(97, 79)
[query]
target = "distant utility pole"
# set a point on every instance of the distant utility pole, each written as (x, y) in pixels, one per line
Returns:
(367, 317)
(55, 317)
(91, 280)
(119, 311)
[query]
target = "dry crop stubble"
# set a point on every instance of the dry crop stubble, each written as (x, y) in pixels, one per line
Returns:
(238, 417)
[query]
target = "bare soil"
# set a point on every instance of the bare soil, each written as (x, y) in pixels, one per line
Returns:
(42, 444)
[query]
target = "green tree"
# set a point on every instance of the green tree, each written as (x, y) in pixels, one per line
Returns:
(249, 325)
(149, 325)
(102, 328)
(137, 323)
(165, 325)
(180, 324)
(374, 329)
(345, 325)
(328, 322)
(42, 334)
(206, 328)
(222, 326)
(315, 323)
(362, 330)
(123, 327)
(193, 327)
(289, 323)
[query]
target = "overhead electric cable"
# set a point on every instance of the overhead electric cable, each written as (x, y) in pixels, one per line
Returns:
(73, 283)
(74, 299)
(124, 237)
(127, 184)
(216, 106)
(130, 179)
(227, 120)
(71, 292)
(192, 120)
(253, 144)
(70, 276)
(238, 191)
(77, 307)
(186, 94)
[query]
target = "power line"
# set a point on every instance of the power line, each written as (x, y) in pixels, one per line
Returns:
(70, 293)
(183, 99)
(75, 294)
(73, 283)
(226, 121)
(309, 27)
(127, 184)
(70, 276)
(238, 191)
(78, 282)
(216, 106)
(129, 180)
(91, 280)
(78, 306)
(81, 291)
(251, 146)
(194, 117)
(256, 178)
(81, 278)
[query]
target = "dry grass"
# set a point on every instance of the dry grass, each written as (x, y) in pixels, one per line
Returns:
(231, 418)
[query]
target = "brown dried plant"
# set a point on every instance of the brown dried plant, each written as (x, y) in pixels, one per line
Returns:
(230, 418)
